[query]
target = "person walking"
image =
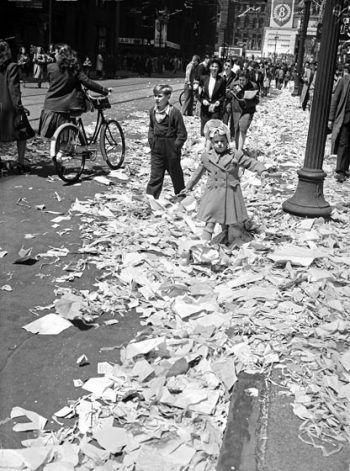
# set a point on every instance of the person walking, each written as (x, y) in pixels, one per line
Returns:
(166, 136)
(14, 125)
(202, 70)
(23, 61)
(244, 95)
(39, 60)
(188, 98)
(66, 78)
(212, 95)
(307, 77)
(87, 66)
(339, 124)
(229, 77)
(99, 65)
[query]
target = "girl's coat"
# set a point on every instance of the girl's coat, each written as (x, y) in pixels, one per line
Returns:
(222, 201)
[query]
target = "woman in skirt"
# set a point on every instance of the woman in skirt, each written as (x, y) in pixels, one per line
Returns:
(66, 78)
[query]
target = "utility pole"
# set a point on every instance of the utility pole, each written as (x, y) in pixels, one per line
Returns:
(50, 21)
(308, 200)
(301, 50)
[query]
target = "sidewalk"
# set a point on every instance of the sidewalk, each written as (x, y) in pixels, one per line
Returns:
(267, 319)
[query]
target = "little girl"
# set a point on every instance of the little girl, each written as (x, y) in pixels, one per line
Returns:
(222, 201)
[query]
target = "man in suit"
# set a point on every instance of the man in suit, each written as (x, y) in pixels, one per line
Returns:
(187, 106)
(339, 124)
(229, 76)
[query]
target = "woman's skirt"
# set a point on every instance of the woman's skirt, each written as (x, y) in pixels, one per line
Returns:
(50, 121)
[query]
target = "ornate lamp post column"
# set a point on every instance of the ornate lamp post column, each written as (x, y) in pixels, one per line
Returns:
(276, 38)
(301, 50)
(308, 199)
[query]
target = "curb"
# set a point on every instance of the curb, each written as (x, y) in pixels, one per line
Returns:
(244, 442)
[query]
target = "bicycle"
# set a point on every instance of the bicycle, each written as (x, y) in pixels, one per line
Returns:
(71, 147)
(195, 98)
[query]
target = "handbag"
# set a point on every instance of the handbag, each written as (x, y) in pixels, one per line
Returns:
(23, 129)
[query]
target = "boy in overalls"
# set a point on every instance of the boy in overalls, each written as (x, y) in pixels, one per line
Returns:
(166, 136)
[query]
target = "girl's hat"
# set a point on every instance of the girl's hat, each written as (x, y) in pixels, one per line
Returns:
(216, 126)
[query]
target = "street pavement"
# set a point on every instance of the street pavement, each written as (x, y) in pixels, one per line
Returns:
(37, 372)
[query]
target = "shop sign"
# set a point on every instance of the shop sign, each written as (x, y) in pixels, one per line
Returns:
(282, 13)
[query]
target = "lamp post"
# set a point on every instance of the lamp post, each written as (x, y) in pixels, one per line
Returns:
(275, 54)
(301, 50)
(308, 200)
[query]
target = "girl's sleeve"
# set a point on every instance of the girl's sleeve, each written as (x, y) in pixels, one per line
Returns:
(250, 164)
(90, 84)
(198, 173)
(14, 86)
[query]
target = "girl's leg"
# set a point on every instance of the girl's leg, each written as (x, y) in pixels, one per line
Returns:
(242, 138)
(208, 231)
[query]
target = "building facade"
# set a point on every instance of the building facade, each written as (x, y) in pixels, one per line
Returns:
(155, 27)
(168, 26)
(241, 26)
(87, 25)
(281, 38)
(265, 28)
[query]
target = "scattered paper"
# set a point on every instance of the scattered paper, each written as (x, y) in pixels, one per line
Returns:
(51, 324)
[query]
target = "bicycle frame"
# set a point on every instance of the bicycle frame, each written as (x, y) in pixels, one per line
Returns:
(100, 121)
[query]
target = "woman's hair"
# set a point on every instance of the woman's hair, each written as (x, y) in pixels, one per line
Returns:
(5, 52)
(67, 58)
(164, 89)
(216, 61)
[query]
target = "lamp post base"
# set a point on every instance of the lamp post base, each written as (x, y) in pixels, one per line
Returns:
(297, 88)
(308, 199)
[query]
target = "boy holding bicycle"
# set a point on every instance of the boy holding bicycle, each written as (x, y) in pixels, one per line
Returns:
(166, 136)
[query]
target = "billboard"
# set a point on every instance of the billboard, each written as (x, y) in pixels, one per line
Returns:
(282, 14)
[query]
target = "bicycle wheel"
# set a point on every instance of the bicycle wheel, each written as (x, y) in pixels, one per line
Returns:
(68, 152)
(112, 143)
(181, 98)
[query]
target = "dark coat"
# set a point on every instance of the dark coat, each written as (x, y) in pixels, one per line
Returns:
(237, 93)
(65, 92)
(337, 110)
(202, 72)
(10, 100)
(306, 80)
(222, 201)
(229, 78)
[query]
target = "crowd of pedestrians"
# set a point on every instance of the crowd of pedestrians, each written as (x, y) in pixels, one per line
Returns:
(33, 62)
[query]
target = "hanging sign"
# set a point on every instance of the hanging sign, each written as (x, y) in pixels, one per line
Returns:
(282, 14)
